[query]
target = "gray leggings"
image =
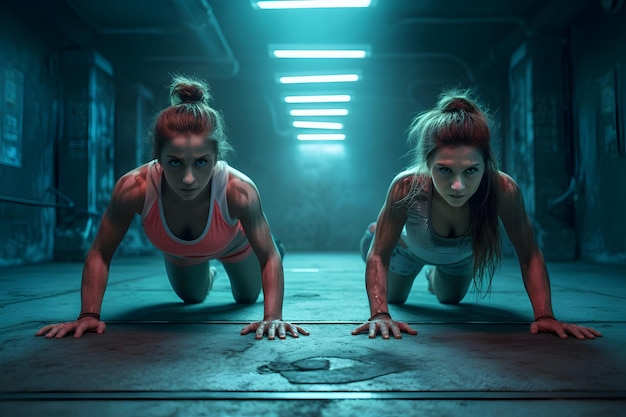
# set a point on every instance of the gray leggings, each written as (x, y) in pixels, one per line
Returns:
(404, 263)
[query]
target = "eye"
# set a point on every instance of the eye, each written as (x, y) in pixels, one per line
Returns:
(175, 163)
(202, 162)
(471, 170)
(444, 170)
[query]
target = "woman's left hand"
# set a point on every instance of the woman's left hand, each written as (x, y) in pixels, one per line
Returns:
(549, 325)
(272, 328)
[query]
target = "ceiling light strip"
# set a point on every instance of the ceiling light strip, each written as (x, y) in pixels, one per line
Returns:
(317, 125)
(334, 78)
(328, 53)
(318, 112)
(321, 136)
(332, 98)
(311, 4)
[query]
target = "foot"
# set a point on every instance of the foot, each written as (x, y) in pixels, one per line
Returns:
(429, 273)
(212, 275)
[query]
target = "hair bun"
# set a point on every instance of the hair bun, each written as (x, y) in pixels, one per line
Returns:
(456, 104)
(188, 91)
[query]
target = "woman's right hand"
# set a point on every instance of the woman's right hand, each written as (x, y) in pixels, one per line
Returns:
(78, 327)
(384, 325)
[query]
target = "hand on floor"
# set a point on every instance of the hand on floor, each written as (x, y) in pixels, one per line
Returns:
(384, 325)
(272, 327)
(549, 325)
(78, 327)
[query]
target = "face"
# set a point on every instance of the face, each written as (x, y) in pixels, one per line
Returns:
(457, 172)
(188, 162)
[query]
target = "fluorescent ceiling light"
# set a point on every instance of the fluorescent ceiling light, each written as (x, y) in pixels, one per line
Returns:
(311, 4)
(336, 78)
(335, 98)
(328, 53)
(318, 112)
(317, 125)
(321, 136)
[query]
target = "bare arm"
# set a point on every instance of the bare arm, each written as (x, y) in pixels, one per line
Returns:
(520, 231)
(532, 264)
(389, 225)
(245, 204)
(126, 200)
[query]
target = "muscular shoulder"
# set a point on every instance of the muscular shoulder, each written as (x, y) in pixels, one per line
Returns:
(407, 184)
(130, 190)
(508, 186)
(510, 193)
(241, 191)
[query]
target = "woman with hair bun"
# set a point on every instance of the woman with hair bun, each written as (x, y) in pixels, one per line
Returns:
(195, 208)
(442, 215)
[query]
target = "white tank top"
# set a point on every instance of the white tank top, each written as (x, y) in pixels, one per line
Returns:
(423, 242)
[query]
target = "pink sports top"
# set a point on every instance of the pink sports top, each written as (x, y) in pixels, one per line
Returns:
(223, 238)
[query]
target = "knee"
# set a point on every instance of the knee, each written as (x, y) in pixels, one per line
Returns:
(450, 299)
(192, 299)
(191, 294)
(246, 298)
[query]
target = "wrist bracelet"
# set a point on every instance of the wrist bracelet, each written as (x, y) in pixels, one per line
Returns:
(544, 317)
(378, 314)
(89, 314)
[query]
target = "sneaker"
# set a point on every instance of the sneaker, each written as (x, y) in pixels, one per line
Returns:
(212, 275)
(429, 270)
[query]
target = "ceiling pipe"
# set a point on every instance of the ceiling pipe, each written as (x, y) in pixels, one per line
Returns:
(520, 23)
(430, 56)
(198, 16)
(554, 13)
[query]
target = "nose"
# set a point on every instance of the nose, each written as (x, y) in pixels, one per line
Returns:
(189, 178)
(458, 184)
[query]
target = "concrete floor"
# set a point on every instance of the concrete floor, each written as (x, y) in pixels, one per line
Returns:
(160, 357)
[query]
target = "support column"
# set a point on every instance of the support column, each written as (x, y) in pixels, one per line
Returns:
(134, 111)
(85, 151)
(539, 152)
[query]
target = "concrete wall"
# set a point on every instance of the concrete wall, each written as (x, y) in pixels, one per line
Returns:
(321, 197)
(599, 56)
(29, 99)
(538, 142)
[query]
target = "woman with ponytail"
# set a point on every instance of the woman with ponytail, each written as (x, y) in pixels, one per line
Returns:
(195, 208)
(442, 215)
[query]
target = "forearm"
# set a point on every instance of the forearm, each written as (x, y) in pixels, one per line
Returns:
(537, 284)
(376, 285)
(94, 282)
(273, 289)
